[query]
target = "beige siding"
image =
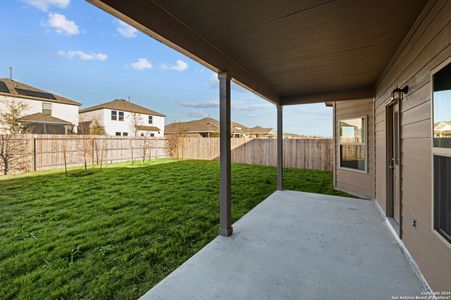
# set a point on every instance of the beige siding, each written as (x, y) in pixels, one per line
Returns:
(355, 182)
(426, 46)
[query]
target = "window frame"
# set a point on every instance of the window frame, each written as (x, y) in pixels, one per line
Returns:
(120, 116)
(436, 151)
(51, 108)
(114, 114)
(150, 120)
(118, 133)
(365, 136)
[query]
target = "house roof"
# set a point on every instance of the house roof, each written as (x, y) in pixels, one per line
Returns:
(146, 128)
(15, 88)
(211, 125)
(258, 130)
(42, 118)
(123, 105)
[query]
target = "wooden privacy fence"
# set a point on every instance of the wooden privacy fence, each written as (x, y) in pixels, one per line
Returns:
(315, 154)
(43, 152)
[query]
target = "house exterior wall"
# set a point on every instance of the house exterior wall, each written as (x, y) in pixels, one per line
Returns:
(426, 46)
(359, 183)
(111, 126)
(59, 110)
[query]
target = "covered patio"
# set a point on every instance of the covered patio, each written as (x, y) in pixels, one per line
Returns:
(362, 56)
(298, 245)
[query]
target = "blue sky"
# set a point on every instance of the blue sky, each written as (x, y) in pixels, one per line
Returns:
(74, 49)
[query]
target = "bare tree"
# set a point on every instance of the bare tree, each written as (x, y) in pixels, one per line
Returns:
(12, 145)
(135, 121)
(174, 142)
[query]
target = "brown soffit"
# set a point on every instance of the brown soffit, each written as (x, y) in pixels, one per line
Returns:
(289, 52)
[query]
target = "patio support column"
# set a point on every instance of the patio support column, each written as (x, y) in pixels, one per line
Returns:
(279, 147)
(225, 156)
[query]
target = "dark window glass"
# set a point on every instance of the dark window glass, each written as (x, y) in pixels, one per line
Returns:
(125, 134)
(150, 119)
(113, 115)
(118, 134)
(442, 107)
(121, 116)
(352, 157)
(442, 196)
(152, 134)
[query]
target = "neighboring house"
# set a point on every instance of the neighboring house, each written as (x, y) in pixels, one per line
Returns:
(442, 129)
(123, 118)
(209, 127)
(45, 113)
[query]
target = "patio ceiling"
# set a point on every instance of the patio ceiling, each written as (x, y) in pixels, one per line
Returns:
(288, 51)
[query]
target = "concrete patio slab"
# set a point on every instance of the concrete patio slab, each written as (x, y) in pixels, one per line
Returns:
(298, 246)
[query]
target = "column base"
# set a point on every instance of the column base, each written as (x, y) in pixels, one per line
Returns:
(226, 231)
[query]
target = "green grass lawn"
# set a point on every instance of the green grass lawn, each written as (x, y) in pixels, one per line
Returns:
(116, 233)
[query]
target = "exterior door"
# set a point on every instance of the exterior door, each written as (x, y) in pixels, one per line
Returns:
(393, 164)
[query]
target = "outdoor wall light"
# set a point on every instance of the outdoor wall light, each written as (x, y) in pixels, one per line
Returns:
(398, 94)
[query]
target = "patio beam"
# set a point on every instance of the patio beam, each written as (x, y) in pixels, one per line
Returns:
(279, 147)
(329, 96)
(225, 156)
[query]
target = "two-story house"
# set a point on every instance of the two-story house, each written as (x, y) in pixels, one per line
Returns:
(44, 112)
(123, 118)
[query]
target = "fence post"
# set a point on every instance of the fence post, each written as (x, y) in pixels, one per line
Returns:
(34, 154)
(92, 150)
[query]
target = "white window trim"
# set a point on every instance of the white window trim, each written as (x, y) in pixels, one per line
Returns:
(436, 150)
(365, 124)
(111, 115)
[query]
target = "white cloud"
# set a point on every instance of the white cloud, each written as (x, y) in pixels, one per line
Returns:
(243, 106)
(83, 55)
(198, 114)
(126, 30)
(142, 64)
(200, 104)
(62, 25)
(179, 66)
(44, 5)
(236, 105)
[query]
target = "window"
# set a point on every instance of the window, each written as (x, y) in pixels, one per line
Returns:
(121, 116)
(352, 142)
(441, 151)
(124, 133)
(118, 134)
(47, 108)
(150, 119)
(142, 134)
(442, 196)
(152, 134)
(114, 116)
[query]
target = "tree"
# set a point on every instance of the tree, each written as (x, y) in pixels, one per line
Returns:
(96, 128)
(174, 142)
(10, 118)
(135, 121)
(12, 146)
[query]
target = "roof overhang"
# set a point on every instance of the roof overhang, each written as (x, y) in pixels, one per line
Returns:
(289, 52)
